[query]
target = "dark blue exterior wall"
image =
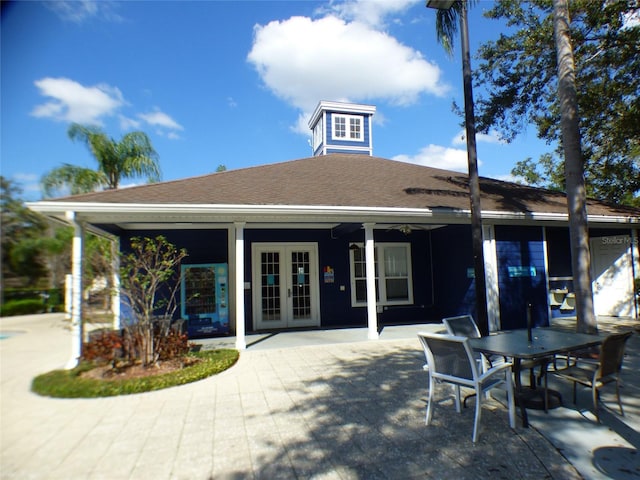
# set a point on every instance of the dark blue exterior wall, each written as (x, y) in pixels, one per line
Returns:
(342, 150)
(335, 304)
(521, 276)
(453, 267)
(442, 269)
(203, 246)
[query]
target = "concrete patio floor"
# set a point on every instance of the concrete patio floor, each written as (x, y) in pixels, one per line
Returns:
(322, 405)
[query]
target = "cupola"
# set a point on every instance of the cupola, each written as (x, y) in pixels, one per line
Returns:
(342, 128)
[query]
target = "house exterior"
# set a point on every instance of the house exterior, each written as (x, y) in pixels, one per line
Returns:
(344, 238)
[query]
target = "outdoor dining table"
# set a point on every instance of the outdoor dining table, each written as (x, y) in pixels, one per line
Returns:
(538, 344)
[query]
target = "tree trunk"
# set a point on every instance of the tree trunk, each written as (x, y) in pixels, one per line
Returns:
(574, 170)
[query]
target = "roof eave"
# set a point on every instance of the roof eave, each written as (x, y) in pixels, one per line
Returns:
(110, 212)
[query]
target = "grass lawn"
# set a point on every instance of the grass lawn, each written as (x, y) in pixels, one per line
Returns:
(76, 383)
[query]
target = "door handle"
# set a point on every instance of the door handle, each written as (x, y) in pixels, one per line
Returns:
(289, 292)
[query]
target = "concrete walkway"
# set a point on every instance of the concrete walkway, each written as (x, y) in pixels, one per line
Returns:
(321, 405)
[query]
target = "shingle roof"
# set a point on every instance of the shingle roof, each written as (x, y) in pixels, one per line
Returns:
(346, 180)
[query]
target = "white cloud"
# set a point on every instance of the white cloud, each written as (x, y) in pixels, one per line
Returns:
(438, 156)
(29, 183)
(78, 11)
(491, 137)
(160, 119)
(369, 12)
(509, 178)
(127, 123)
(302, 124)
(303, 61)
(163, 123)
(73, 102)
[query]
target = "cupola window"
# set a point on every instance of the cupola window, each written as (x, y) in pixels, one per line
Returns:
(347, 127)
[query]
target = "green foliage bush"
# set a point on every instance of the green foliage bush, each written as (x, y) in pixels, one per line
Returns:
(70, 383)
(26, 306)
(48, 300)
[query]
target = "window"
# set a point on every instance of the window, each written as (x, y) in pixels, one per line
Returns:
(317, 134)
(348, 127)
(355, 128)
(339, 127)
(394, 285)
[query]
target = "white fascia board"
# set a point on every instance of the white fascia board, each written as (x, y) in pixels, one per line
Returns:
(558, 217)
(178, 208)
(342, 108)
(358, 213)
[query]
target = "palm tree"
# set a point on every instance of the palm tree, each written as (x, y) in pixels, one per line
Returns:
(133, 156)
(447, 17)
(574, 170)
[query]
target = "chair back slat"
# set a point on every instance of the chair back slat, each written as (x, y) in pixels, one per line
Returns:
(463, 326)
(450, 356)
(612, 354)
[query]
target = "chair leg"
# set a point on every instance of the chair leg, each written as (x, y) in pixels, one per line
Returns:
(430, 401)
(457, 390)
(595, 394)
(618, 395)
(476, 422)
(511, 401)
(546, 390)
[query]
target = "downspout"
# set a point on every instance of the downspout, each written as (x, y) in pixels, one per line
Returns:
(76, 290)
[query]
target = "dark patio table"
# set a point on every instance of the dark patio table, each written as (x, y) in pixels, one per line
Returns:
(545, 342)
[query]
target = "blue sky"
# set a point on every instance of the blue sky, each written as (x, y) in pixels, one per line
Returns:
(232, 82)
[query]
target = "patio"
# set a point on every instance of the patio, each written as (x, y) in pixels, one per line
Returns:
(335, 407)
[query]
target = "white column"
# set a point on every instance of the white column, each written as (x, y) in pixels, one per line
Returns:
(76, 291)
(241, 343)
(115, 296)
(491, 277)
(369, 250)
(68, 295)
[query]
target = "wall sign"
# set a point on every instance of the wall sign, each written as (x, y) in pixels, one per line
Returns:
(329, 276)
(521, 271)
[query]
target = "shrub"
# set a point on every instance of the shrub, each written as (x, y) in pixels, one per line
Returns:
(70, 383)
(150, 281)
(22, 307)
(103, 346)
(174, 344)
(49, 300)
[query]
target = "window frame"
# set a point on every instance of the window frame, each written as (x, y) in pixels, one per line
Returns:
(381, 277)
(347, 127)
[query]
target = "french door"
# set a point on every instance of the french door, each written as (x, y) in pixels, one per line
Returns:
(285, 285)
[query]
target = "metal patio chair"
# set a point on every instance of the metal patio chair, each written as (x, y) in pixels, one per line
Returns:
(451, 360)
(596, 375)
